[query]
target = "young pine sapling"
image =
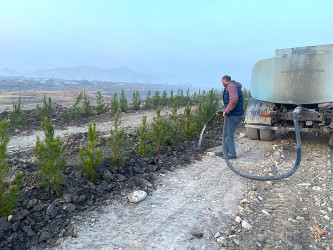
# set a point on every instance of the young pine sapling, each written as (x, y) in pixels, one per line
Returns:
(86, 107)
(160, 131)
(175, 131)
(100, 108)
(148, 101)
(75, 111)
(144, 149)
(17, 116)
(123, 102)
(50, 157)
(117, 142)
(9, 192)
(164, 98)
(91, 157)
(157, 99)
(45, 110)
(187, 125)
(114, 103)
(136, 100)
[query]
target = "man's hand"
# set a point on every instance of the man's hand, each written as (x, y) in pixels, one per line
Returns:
(220, 112)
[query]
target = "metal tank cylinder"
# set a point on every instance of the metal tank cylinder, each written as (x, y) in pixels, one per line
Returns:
(301, 75)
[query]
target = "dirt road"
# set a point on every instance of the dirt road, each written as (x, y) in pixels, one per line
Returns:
(189, 206)
(129, 121)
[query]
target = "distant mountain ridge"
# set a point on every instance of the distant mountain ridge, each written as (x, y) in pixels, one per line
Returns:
(92, 73)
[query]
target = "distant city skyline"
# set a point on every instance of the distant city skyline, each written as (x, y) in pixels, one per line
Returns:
(194, 40)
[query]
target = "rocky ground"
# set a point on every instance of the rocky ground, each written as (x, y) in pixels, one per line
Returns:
(194, 201)
(294, 213)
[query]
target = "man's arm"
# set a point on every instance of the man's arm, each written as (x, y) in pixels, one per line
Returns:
(233, 98)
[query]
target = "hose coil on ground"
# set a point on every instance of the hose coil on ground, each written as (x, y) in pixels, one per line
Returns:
(296, 112)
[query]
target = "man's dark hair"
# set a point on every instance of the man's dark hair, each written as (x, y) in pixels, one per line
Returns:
(226, 77)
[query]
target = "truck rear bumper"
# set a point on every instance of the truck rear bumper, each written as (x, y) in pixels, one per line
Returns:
(285, 129)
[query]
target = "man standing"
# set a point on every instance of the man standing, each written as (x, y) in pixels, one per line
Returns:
(233, 103)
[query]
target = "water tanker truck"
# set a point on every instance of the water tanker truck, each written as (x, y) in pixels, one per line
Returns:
(295, 77)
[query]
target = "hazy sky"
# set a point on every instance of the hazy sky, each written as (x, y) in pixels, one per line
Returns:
(203, 39)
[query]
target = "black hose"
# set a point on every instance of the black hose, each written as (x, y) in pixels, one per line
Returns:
(269, 177)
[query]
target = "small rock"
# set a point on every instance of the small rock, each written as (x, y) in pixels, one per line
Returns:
(306, 184)
(298, 247)
(82, 198)
(316, 188)
(107, 175)
(78, 174)
(241, 209)
(28, 230)
(50, 210)
(246, 225)
(9, 218)
(300, 218)
(68, 198)
(137, 196)
(327, 217)
(222, 241)
(245, 201)
(39, 207)
(20, 215)
(227, 233)
(16, 226)
(121, 177)
(236, 242)
(238, 219)
(256, 200)
(217, 235)
(45, 236)
(197, 235)
(4, 225)
(265, 212)
(32, 203)
(292, 220)
(69, 207)
(242, 135)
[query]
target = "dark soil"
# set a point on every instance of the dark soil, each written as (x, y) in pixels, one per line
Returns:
(40, 218)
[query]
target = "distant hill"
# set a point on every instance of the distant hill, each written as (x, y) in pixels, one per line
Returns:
(91, 73)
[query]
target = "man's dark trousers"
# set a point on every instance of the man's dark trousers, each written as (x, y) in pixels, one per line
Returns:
(230, 124)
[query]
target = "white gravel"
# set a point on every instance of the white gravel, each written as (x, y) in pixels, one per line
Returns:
(198, 199)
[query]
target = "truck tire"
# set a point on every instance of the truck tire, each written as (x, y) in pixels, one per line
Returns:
(330, 140)
(253, 133)
(267, 135)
